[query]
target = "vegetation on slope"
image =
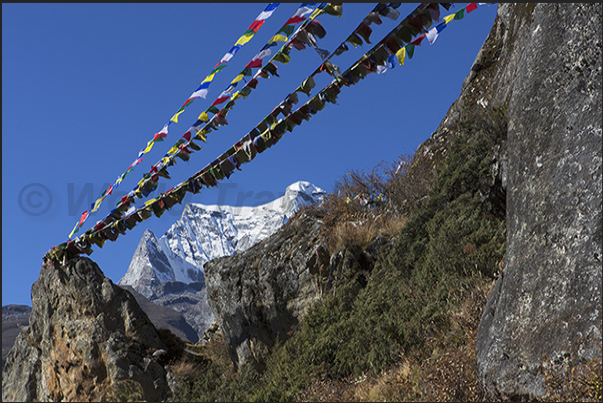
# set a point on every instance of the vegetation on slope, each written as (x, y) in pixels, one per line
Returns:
(403, 327)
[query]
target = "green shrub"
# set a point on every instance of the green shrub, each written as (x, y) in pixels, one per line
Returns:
(372, 318)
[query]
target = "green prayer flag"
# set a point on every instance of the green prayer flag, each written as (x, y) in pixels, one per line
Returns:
(218, 68)
(410, 50)
(459, 14)
(213, 110)
(287, 30)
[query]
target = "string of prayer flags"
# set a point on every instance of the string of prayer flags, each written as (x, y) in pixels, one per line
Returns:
(282, 35)
(219, 118)
(200, 92)
(269, 130)
(434, 32)
(263, 136)
(203, 89)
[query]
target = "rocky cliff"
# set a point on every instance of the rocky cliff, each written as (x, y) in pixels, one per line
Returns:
(86, 338)
(258, 296)
(539, 74)
(547, 302)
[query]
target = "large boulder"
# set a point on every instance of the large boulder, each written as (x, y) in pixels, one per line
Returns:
(547, 302)
(86, 338)
(259, 296)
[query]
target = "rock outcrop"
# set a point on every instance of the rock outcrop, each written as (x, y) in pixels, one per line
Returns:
(546, 64)
(85, 337)
(259, 296)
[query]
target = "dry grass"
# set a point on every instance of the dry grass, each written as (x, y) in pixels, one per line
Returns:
(362, 233)
(443, 370)
(567, 383)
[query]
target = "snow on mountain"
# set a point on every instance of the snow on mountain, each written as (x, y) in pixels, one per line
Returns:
(205, 232)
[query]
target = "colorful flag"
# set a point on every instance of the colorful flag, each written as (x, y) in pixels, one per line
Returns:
(401, 55)
(432, 35)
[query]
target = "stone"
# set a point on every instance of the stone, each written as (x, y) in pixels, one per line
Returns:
(547, 302)
(85, 336)
(261, 294)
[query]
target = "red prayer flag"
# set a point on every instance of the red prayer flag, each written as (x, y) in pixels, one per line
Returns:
(256, 25)
(417, 41)
(220, 100)
(83, 218)
(254, 63)
(295, 20)
(471, 7)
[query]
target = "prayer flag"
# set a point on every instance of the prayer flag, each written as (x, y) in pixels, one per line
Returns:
(459, 14)
(200, 92)
(417, 41)
(245, 38)
(161, 134)
(175, 117)
(264, 15)
(401, 55)
(449, 18)
(301, 13)
(256, 25)
(322, 53)
(278, 38)
(75, 229)
(410, 50)
(470, 7)
(204, 117)
(432, 35)
(230, 54)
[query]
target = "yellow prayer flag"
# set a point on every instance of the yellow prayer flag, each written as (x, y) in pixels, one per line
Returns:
(201, 135)
(448, 18)
(244, 39)
(149, 147)
(73, 231)
(175, 117)
(235, 96)
(209, 78)
(97, 204)
(150, 201)
(204, 117)
(237, 78)
(278, 38)
(401, 55)
(315, 13)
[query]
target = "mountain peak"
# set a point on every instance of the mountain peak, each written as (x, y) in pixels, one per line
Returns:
(205, 232)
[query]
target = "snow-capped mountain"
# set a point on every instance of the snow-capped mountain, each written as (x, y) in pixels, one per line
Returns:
(205, 232)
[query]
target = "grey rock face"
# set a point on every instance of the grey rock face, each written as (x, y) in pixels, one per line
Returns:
(261, 294)
(548, 301)
(85, 335)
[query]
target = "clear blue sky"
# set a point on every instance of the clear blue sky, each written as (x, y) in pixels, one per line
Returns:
(85, 86)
